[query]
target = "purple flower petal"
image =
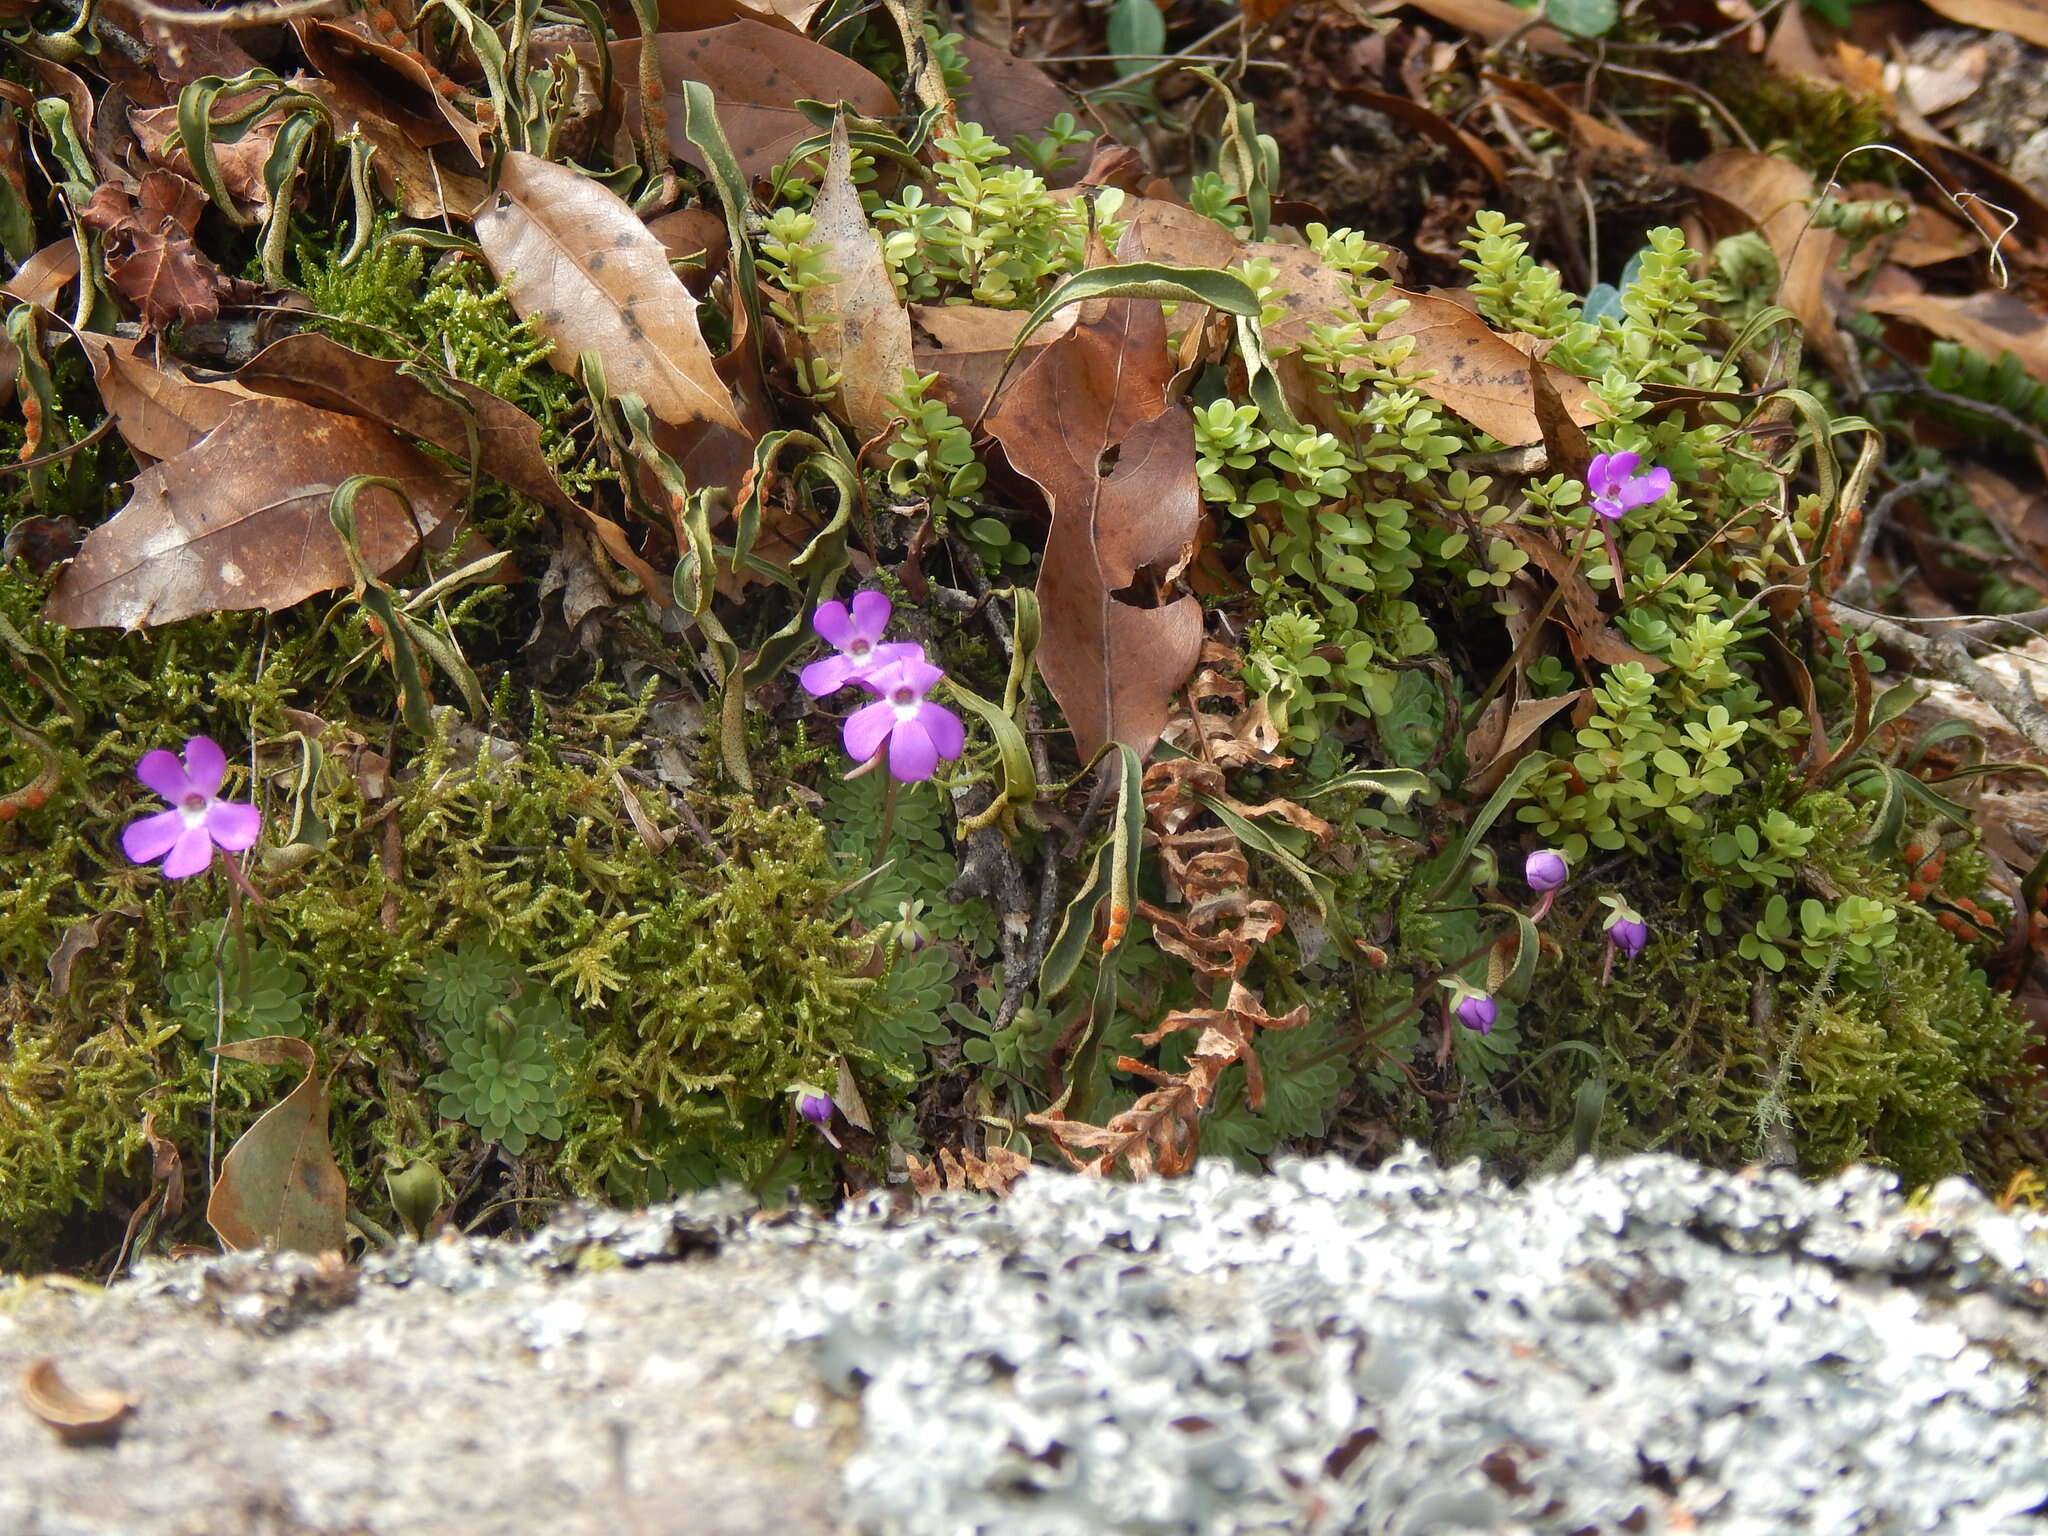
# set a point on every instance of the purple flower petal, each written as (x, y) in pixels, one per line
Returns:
(944, 728)
(912, 755)
(149, 839)
(833, 624)
(912, 672)
(190, 854)
(815, 1107)
(829, 674)
(1653, 485)
(870, 615)
(205, 765)
(231, 826)
(162, 772)
(867, 728)
(884, 657)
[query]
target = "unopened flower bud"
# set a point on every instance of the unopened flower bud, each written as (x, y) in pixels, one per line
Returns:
(1475, 1010)
(1545, 870)
(815, 1107)
(1628, 934)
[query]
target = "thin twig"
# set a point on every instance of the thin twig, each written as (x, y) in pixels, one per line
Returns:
(1946, 656)
(256, 15)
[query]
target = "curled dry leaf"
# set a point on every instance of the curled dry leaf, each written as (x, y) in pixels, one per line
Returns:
(997, 1173)
(158, 411)
(79, 1416)
(406, 172)
(241, 162)
(45, 275)
(1774, 196)
(698, 15)
(320, 371)
(239, 520)
(1496, 21)
(150, 255)
(757, 73)
(576, 262)
(1089, 424)
(279, 1186)
(411, 92)
(862, 330)
(2024, 19)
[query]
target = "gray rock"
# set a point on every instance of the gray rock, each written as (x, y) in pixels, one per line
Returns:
(1637, 1346)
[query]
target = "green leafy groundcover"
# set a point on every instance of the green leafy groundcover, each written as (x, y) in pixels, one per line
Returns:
(510, 979)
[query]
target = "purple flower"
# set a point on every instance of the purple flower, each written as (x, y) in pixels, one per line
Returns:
(1475, 1010)
(198, 822)
(1628, 934)
(1616, 488)
(918, 733)
(857, 634)
(1545, 870)
(816, 1109)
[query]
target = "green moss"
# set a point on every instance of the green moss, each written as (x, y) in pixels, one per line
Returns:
(705, 981)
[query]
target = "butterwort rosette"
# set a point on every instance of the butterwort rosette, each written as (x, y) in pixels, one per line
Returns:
(855, 633)
(1618, 484)
(199, 821)
(917, 733)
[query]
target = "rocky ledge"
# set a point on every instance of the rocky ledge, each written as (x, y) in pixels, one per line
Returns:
(1635, 1346)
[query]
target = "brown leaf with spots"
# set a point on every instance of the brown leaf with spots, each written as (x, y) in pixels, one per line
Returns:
(862, 329)
(1090, 425)
(758, 74)
(239, 520)
(279, 1187)
(576, 262)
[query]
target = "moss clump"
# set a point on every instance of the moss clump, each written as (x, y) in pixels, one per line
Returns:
(483, 869)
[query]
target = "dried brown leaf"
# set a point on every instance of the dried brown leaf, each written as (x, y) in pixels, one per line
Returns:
(577, 263)
(1012, 98)
(156, 408)
(406, 171)
(862, 329)
(1773, 195)
(279, 1186)
(1475, 373)
(698, 15)
(1991, 322)
(2024, 19)
(968, 344)
(408, 90)
(45, 275)
(239, 520)
(757, 73)
(1088, 423)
